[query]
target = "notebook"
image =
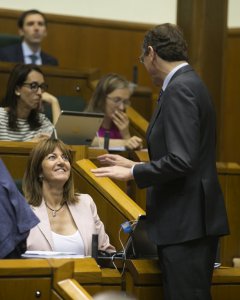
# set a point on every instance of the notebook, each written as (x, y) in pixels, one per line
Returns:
(77, 128)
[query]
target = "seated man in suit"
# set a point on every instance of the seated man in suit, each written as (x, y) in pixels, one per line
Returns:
(32, 26)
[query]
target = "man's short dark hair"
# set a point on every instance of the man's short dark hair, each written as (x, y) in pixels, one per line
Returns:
(26, 13)
(168, 42)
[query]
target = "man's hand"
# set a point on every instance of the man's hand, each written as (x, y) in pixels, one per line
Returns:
(115, 172)
(116, 160)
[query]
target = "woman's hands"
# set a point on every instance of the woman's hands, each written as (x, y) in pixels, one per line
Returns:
(134, 143)
(120, 119)
(39, 137)
(53, 101)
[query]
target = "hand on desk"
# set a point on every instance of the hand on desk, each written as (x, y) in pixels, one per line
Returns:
(134, 143)
(39, 137)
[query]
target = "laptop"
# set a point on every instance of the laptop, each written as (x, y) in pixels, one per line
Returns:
(77, 128)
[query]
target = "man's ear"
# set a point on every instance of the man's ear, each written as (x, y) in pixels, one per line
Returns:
(20, 32)
(151, 53)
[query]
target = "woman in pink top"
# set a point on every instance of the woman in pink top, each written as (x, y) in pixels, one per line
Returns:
(112, 97)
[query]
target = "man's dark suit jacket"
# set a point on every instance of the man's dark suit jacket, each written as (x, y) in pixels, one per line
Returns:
(14, 53)
(16, 216)
(184, 199)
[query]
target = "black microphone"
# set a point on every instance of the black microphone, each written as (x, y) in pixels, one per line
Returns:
(106, 140)
(95, 245)
(135, 74)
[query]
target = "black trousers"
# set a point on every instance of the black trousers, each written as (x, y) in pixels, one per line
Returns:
(187, 269)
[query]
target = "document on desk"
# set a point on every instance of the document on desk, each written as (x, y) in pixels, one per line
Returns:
(51, 254)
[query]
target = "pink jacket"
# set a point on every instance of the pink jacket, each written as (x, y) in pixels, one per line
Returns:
(84, 214)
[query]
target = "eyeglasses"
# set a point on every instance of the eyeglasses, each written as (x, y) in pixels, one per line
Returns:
(34, 86)
(118, 101)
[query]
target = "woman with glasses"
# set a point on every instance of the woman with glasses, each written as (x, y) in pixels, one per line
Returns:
(112, 97)
(21, 117)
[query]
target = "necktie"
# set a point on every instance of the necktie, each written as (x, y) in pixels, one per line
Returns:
(33, 58)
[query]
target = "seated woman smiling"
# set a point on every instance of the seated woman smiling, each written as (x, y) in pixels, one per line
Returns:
(67, 220)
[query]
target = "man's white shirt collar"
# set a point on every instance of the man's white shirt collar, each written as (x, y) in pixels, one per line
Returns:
(170, 75)
(27, 52)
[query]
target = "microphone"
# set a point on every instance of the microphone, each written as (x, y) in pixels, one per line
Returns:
(94, 245)
(106, 140)
(135, 74)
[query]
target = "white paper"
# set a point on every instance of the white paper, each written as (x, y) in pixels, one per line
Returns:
(51, 254)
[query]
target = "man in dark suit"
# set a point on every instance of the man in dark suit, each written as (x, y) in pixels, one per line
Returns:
(32, 26)
(185, 207)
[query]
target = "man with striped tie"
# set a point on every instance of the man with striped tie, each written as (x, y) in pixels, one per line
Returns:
(32, 26)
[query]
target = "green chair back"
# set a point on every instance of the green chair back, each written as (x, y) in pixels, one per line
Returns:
(71, 103)
(8, 39)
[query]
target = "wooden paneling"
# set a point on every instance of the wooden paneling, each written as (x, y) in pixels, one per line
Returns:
(204, 24)
(230, 141)
(110, 46)
(62, 82)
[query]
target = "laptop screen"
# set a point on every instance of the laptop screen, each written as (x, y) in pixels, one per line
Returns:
(77, 128)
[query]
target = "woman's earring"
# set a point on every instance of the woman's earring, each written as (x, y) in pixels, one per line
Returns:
(40, 177)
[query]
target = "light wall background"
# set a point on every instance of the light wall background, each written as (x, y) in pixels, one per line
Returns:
(142, 11)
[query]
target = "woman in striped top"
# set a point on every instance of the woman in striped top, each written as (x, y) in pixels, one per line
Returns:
(21, 117)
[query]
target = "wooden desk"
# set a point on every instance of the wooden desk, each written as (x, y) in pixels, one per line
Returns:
(30, 279)
(91, 277)
(26, 279)
(144, 280)
(229, 176)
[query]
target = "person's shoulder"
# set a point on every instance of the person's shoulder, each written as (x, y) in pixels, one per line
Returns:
(44, 118)
(3, 112)
(86, 198)
(48, 59)
(10, 48)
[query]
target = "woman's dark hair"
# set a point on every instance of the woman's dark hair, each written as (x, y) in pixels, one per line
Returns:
(106, 85)
(167, 41)
(32, 182)
(16, 79)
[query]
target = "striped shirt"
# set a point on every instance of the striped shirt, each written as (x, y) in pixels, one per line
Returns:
(23, 133)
